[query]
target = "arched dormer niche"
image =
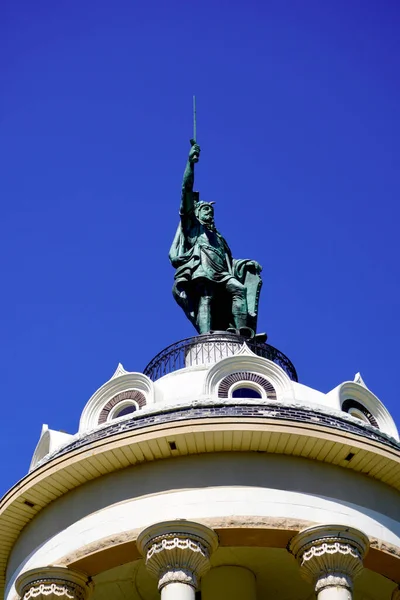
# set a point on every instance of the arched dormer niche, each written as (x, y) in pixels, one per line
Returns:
(121, 396)
(246, 375)
(358, 401)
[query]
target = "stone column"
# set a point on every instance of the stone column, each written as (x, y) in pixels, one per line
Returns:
(178, 554)
(330, 557)
(53, 583)
(233, 582)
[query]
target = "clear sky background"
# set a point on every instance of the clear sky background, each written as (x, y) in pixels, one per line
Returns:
(298, 120)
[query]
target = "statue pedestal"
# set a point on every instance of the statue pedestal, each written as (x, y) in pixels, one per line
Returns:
(212, 347)
(209, 348)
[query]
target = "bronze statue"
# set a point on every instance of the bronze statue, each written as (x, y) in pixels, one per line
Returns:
(215, 291)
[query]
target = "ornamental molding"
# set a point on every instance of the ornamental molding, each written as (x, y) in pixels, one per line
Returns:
(119, 371)
(246, 361)
(330, 555)
(232, 381)
(244, 350)
(295, 412)
(138, 399)
(334, 579)
(358, 379)
(124, 382)
(53, 583)
(50, 590)
(49, 441)
(352, 390)
(177, 551)
(331, 563)
(177, 575)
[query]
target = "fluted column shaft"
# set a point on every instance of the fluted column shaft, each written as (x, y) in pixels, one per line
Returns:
(331, 557)
(53, 583)
(178, 554)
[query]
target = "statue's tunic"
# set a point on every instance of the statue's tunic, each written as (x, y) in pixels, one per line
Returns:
(200, 252)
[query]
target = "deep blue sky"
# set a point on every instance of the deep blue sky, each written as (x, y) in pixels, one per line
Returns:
(298, 120)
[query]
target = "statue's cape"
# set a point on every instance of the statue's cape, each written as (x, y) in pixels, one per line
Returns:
(178, 255)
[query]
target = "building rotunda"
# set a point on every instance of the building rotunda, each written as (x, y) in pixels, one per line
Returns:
(214, 474)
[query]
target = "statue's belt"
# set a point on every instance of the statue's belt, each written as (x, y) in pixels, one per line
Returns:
(215, 250)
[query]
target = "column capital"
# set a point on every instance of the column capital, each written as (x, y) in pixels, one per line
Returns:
(330, 555)
(177, 551)
(53, 583)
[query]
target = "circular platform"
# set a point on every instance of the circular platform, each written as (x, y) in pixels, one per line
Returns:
(208, 349)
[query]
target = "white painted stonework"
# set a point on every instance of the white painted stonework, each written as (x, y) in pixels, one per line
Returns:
(270, 494)
(49, 442)
(128, 501)
(187, 386)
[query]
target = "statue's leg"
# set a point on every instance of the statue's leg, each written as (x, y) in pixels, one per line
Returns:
(204, 310)
(239, 302)
(181, 296)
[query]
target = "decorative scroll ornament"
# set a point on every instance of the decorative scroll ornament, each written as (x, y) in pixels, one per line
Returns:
(330, 556)
(177, 556)
(53, 583)
(49, 590)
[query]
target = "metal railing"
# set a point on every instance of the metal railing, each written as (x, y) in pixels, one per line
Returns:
(209, 349)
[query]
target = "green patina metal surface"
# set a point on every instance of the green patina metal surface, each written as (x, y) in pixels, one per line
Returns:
(216, 291)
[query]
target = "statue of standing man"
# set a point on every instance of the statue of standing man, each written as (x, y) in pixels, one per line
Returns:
(215, 291)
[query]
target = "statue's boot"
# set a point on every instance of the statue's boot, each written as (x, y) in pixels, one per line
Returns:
(240, 318)
(239, 302)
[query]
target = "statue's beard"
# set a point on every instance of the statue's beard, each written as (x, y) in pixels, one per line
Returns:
(207, 222)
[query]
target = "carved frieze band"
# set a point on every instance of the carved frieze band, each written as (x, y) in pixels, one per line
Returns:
(50, 590)
(53, 583)
(330, 555)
